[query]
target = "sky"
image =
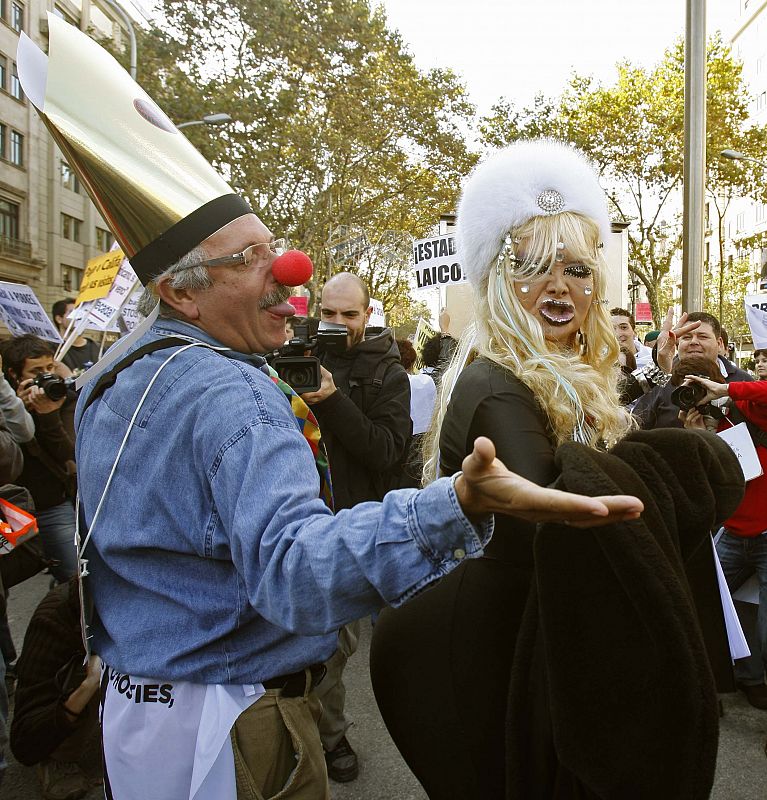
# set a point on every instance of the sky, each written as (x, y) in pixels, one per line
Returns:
(516, 48)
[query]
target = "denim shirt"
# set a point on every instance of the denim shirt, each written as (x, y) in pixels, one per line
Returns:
(212, 559)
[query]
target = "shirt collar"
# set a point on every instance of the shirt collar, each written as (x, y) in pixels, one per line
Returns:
(169, 326)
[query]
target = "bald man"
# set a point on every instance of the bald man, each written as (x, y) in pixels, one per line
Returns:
(363, 407)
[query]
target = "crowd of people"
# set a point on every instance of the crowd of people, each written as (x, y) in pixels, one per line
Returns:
(384, 425)
(528, 519)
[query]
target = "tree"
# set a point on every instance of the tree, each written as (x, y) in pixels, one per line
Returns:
(335, 125)
(724, 288)
(633, 129)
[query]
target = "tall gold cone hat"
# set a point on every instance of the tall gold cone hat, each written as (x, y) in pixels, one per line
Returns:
(157, 193)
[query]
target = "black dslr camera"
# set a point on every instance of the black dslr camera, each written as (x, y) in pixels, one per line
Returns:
(301, 372)
(689, 396)
(54, 387)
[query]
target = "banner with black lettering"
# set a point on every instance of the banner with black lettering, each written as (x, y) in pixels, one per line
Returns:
(22, 313)
(435, 262)
(756, 316)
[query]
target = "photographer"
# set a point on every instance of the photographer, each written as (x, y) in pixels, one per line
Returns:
(742, 547)
(655, 409)
(49, 474)
(363, 408)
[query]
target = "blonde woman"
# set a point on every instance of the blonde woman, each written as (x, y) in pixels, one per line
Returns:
(538, 368)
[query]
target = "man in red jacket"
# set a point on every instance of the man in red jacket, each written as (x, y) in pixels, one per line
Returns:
(742, 548)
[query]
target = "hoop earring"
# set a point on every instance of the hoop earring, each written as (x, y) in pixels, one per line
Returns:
(580, 340)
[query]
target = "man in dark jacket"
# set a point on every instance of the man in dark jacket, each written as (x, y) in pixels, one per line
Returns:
(655, 409)
(363, 408)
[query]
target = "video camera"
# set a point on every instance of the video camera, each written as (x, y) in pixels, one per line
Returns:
(55, 388)
(301, 372)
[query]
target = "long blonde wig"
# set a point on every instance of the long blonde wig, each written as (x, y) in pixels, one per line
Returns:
(576, 389)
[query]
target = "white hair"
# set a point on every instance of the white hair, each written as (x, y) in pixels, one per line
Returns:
(186, 273)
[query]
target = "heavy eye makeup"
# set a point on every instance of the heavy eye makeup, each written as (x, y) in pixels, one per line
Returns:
(578, 271)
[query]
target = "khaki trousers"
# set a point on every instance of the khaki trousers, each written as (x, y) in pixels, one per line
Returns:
(332, 691)
(277, 750)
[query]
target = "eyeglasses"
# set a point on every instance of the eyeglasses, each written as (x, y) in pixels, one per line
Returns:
(255, 254)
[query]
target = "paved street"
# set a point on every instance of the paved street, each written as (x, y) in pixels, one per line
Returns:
(741, 773)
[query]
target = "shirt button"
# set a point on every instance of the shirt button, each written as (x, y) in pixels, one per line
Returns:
(459, 553)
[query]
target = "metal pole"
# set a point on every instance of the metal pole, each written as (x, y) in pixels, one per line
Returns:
(694, 155)
(120, 11)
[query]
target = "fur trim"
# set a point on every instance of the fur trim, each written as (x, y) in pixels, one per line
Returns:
(501, 194)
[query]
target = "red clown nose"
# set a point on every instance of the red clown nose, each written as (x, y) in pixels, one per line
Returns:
(293, 268)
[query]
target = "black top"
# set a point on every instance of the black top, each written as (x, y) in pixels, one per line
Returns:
(489, 400)
(366, 424)
(78, 359)
(655, 409)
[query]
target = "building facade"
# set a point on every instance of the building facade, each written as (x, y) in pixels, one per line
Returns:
(48, 226)
(746, 219)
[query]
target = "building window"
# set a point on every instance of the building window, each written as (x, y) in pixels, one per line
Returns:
(71, 278)
(17, 16)
(740, 221)
(17, 149)
(69, 179)
(104, 240)
(3, 73)
(3, 141)
(70, 228)
(9, 219)
(761, 212)
(16, 90)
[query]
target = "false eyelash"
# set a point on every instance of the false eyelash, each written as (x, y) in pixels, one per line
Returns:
(578, 271)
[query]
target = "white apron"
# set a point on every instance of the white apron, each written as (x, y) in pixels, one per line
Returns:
(170, 741)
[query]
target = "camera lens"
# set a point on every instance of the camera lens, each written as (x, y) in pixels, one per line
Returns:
(298, 376)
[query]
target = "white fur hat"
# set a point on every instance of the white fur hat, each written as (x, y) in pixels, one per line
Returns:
(528, 179)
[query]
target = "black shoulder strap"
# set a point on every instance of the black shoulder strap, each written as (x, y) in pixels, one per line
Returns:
(110, 376)
(375, 383)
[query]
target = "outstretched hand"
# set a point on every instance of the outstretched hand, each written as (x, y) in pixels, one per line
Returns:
(485, 486)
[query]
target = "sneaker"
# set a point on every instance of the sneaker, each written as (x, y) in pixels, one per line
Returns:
(756, 694)
(342, 762)
(62, 780)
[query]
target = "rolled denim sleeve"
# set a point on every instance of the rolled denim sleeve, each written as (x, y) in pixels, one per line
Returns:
(310, 572)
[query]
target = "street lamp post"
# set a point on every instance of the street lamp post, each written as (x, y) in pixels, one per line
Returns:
(694, 155)
(208, 119)
(120, 11)
(736, 155)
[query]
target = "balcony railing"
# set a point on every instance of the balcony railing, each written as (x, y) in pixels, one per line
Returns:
(15, 248)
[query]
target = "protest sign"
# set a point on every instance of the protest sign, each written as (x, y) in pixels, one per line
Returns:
(301, 305)
(99, 276)
(104, 312)
(101, 313)
(22, 313)
(423, 333)
(377, 317)
(436, 263)
(756, 316)
(129, 316)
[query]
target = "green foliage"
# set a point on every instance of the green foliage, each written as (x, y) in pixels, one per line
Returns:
(335, 126)
(404, 319)
(724, 287)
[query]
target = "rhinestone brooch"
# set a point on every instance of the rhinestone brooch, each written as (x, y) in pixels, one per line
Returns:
(550, 201)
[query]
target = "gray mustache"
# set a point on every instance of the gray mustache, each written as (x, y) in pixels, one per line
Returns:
(274, 298)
